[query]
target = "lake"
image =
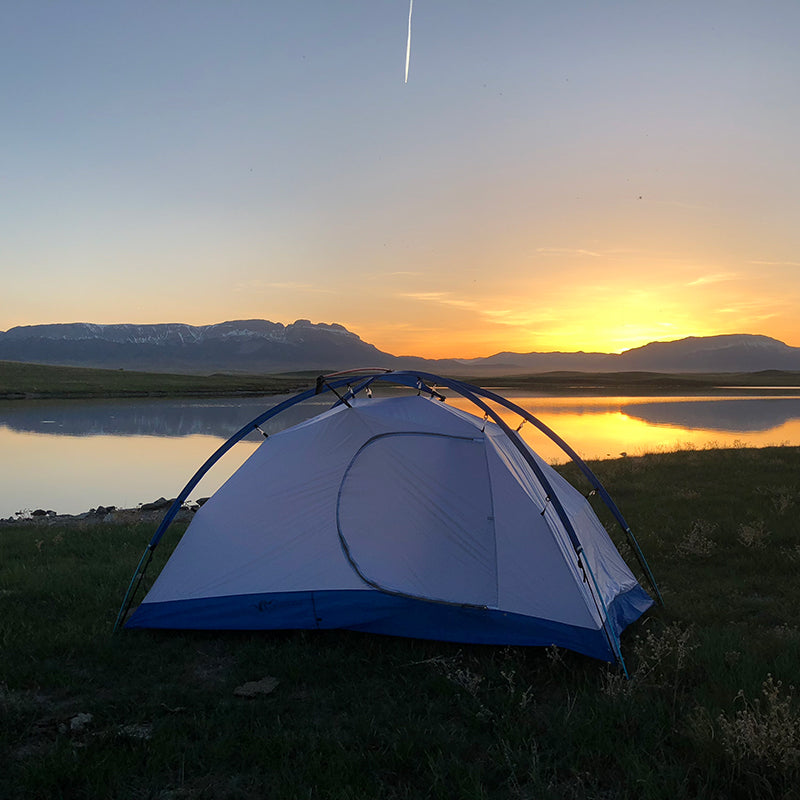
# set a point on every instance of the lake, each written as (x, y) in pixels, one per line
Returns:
(70, 456)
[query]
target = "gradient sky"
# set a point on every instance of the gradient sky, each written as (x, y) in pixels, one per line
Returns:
(567, 175)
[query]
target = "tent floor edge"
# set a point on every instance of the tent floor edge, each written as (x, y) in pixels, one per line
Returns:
(371, 611)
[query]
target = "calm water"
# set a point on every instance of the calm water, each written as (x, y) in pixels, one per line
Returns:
(70, 456)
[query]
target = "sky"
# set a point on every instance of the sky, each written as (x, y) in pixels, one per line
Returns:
(574, 175)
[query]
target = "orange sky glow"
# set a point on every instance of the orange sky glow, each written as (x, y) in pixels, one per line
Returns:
(571, 176)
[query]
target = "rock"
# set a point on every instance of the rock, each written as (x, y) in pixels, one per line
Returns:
(157, 505)
(143, 731)
(149, 513)
(252, 688)
(79, 722)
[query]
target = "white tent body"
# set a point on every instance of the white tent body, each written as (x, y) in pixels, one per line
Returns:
(403, 516)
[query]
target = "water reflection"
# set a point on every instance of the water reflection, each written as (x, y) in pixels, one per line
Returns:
(174, 418)
(222, 417)
(70, 456)
(730, 415)
(603, 427)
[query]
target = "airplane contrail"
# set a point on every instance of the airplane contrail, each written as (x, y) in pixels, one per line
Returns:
(408, 45)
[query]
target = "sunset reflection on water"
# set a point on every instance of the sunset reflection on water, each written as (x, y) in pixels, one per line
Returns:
(72, 457)
(610, 427)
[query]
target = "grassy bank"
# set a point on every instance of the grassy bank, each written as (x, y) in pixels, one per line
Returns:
(709, 711)
(21, 381)
(647, 383)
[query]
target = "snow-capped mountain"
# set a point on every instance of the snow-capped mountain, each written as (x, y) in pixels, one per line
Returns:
(241, 345)
(259, 345)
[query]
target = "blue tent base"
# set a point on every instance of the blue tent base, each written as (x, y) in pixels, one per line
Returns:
(373, 611)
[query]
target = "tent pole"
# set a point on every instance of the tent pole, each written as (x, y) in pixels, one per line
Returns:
(415, 380)
(465, 390)
(613, 640)
(586, 470)
(172, 511)
(144, 561)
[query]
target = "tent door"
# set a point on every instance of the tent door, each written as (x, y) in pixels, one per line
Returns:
(415, 517)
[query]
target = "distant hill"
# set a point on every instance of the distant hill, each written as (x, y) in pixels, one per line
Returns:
(729, 353)
(250, 346)
(259, 346)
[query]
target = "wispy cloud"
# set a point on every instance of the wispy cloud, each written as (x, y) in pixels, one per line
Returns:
(752, 312)
(293, 286)
(777, 263)
(717, 277)
(444, 298)
(398, 273)
(567, 251)
(518, 318)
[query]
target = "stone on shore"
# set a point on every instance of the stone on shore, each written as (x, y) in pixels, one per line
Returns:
(149, 513)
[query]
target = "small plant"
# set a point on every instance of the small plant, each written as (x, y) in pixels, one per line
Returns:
(466, 679)
(453, 668)
(521, 697)
(786, 632)
(765, 731)
(753, 535)
(660, 659)
(697, 543)
(555, 656)
(791, 553)
(783, 501)
(781, 498)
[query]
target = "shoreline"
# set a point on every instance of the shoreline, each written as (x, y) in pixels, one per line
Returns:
(146, 513)
(35, 382)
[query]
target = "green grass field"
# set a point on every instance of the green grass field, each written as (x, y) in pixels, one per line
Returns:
(709, 710)
(20, 381)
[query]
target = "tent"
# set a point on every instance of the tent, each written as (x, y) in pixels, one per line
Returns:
(399, 515)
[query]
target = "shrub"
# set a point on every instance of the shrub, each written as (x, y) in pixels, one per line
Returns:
(765, 732)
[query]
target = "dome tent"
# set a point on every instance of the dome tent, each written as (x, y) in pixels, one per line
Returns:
(398, 515)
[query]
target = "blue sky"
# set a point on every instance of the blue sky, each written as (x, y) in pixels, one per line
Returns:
(579, 175)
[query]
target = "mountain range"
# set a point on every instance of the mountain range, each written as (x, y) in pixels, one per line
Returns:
(260, 346)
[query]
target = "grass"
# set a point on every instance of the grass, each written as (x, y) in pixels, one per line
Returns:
(708, 712)
(649, 383)
(23, 381)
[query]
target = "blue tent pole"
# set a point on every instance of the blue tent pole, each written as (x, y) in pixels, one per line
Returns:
(324, 384)
(172, 511)
(465, 390)
(586, 470)
(414, 380)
